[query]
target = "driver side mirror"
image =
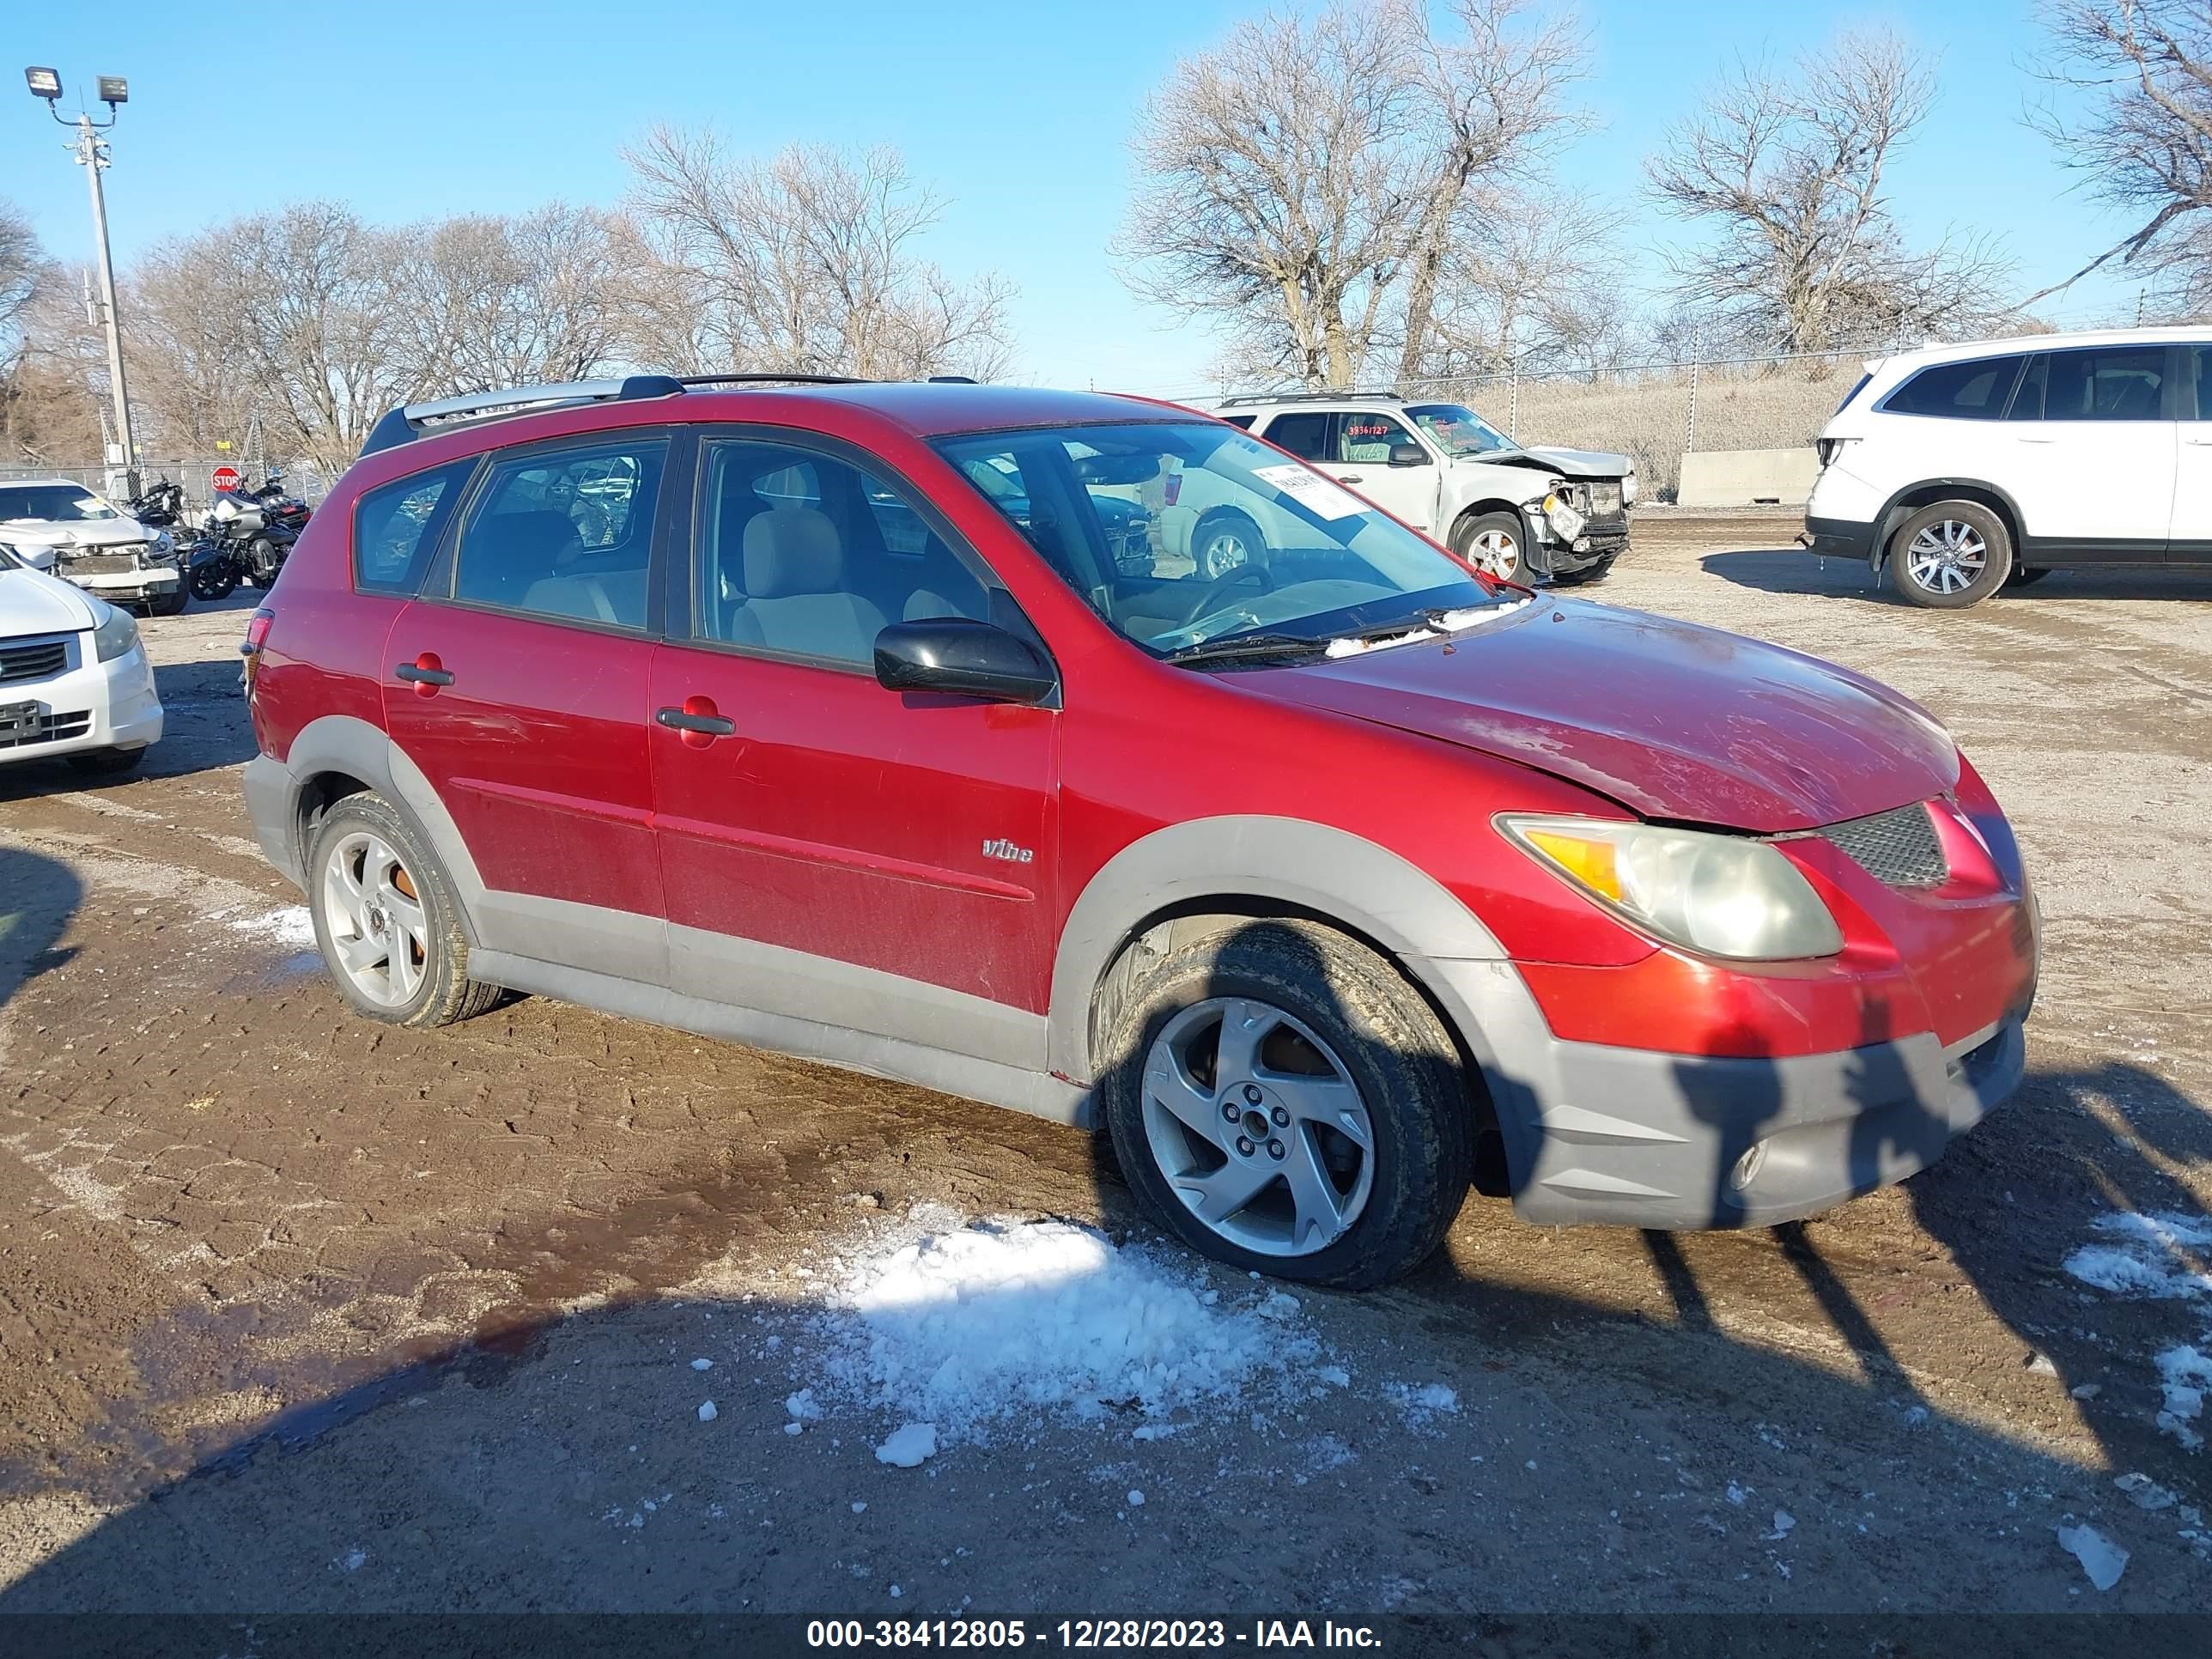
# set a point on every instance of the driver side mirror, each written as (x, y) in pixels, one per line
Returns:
(962, 658)
(1408, 455)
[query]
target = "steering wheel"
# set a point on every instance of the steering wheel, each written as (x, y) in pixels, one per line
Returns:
(1210, 597)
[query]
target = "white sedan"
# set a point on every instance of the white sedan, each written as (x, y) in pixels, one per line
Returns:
(75, 682)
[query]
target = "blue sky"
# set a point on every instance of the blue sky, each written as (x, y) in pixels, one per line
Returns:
(1019, 113)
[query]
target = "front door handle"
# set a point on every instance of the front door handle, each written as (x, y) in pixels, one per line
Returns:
(426, 674)
(1350, 477)
(2025, 439)
(697, 721)
(2200, 443)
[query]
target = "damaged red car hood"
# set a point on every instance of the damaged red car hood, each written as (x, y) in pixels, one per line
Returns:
(1670, 720)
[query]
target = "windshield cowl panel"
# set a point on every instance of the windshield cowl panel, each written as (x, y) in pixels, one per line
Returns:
(1184, 534)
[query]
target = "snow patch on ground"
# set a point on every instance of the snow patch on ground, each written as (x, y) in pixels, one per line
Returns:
(2151, 1256)
(2101, 1558)
(1421, 1404)
(291, 927)
(2184, 1374)
(973, 1324)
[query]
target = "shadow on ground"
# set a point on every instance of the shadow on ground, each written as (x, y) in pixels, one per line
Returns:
(1793, 570)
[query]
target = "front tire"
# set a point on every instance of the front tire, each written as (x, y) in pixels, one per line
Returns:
(213, 581)
(1950, 555)
(387, 921)
(1492, 543)
(1352, 1144)
(170, 604)
(1225, 540)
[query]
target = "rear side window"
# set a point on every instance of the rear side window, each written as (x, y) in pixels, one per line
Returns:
(565, 533)
(1305, 434)
(2097, 383)
(1975, 390)
(395, 526)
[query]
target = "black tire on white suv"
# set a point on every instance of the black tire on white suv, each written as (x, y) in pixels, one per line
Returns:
(1949, 555)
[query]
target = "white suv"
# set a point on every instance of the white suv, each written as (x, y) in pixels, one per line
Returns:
(1524, 514)
(75, 684)
(1960, 469)
(58, 524)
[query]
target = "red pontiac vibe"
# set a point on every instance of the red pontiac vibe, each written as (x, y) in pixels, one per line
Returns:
(894, 725)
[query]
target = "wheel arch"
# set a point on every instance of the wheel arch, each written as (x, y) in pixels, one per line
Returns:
(1207, 875)
(1910, 500)
(340, 754)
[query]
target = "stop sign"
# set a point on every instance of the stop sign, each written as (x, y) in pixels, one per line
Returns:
(225, 477)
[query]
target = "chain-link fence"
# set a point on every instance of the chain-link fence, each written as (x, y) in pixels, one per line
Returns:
(1658, 411)
(194, 473)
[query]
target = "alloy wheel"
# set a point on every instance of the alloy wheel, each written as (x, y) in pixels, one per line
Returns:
(1947, 556)
(372, 914)
(1222, 552)
(1258, 1126)
(1495, 553)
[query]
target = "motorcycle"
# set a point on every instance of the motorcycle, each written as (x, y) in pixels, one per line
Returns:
(159, 506)
(243, 541)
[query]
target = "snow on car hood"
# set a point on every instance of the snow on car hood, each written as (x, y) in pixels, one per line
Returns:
(32, 602)
(1670, 720)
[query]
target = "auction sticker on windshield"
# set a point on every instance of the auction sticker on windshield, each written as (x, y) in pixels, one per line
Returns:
(1312, 491)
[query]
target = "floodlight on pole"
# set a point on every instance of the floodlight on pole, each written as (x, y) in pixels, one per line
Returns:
(92, 155)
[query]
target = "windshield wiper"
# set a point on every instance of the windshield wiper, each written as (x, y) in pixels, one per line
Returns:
(1248, 647)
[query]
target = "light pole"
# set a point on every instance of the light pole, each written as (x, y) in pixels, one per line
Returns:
(91, 152)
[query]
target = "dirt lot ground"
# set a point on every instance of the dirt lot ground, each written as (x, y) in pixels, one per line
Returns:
(298, 1313)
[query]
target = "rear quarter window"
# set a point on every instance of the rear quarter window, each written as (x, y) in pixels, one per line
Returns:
(1977, 389)
(395, 527)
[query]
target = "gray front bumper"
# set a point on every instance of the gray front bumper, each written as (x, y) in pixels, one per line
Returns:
(1629, 1137)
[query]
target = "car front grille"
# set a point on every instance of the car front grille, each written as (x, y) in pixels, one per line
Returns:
(47, 728)
(33, 659)
(1604, 500)
(100, 564)
(1898, 847)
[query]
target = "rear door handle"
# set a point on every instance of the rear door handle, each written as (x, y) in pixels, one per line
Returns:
(2025, 439)
(699, 719)
(2201, 443)
(426, 674)
(1349, 477)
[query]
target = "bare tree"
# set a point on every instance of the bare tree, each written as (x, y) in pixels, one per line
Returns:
(807, 262)
(497, 301)
(1484, 98)
(22, 265)
(1279, 180)
(1533, 283)
(53, 393)
(1786, 167)
(2145, 142)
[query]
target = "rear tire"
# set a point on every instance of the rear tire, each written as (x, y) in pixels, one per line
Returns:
(1492, 544)
(1225, 540)
(386, 919)
(1332, 1035)
(1949, 555)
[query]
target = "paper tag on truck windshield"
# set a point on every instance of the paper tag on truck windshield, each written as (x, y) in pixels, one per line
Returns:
(1311, 491)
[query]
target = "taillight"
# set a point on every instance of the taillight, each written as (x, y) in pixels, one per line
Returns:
(1826, 449)
(257, 635)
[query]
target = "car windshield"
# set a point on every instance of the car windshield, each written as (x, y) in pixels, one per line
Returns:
(1458, 430)
(55, 503)
(1181, 534)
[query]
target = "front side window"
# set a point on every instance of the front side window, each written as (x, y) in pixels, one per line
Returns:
(2096, 382)
(1458, 430)
(565, 533)
(804, 553)
(1312, 561)
(397, 526)
(1367, 440)
(1975, 390)
(53, 504)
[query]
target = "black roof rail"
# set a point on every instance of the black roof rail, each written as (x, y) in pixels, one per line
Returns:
(408, 422)
(788, 380)
(953, 379)
(1244, 397)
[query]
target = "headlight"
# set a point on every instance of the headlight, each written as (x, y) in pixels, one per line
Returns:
(1627, 489)
(165, 545)
(1560, 512)
(115, 635)
(1723, 896)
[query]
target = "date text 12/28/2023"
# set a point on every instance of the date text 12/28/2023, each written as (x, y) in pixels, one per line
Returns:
(1081, 1634)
